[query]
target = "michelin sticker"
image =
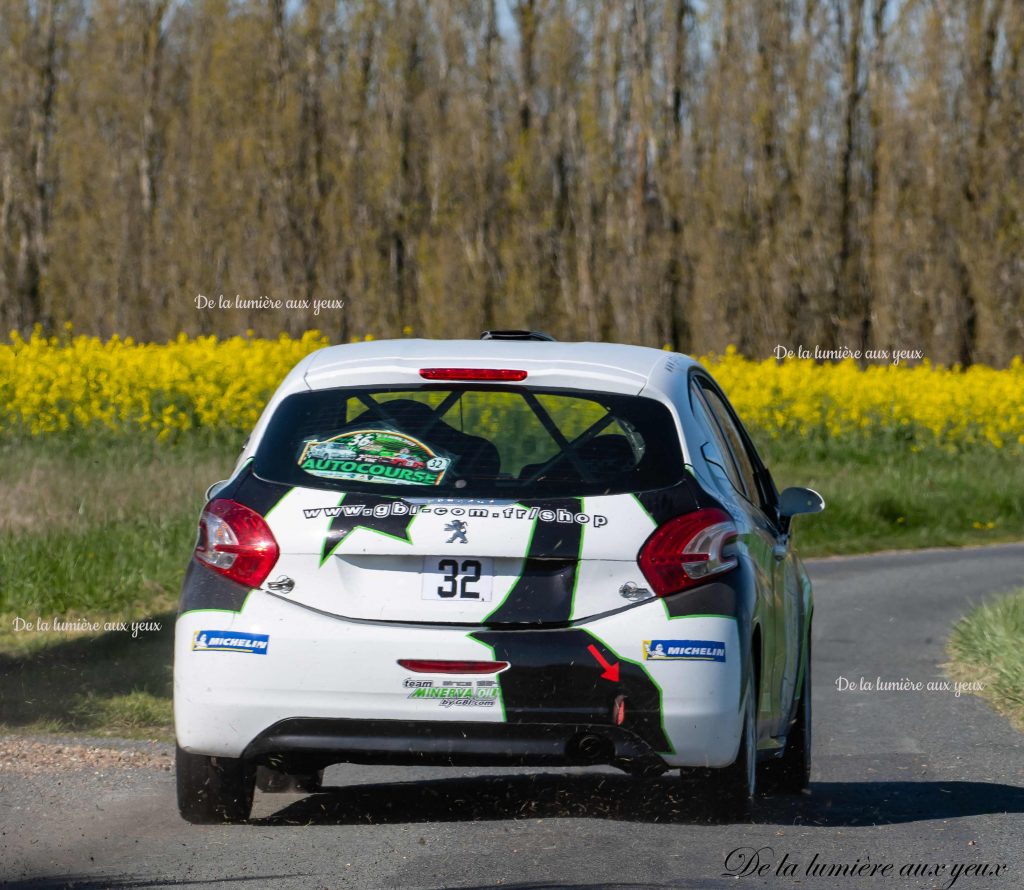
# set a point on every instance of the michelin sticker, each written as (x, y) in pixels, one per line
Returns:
(229, 641)
(374, 456)
(683, 650)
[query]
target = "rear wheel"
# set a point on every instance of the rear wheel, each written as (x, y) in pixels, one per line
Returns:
(791, 773)
(213, 789)
(731, 789)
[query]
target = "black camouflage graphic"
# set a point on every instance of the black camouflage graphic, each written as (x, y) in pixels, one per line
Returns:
(554, 678)
(342, 525)
(543, 592)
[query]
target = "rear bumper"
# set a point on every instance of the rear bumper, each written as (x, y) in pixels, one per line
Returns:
(307, 744)
(333, 688)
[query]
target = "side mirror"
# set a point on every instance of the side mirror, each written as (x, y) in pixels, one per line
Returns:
(793, 501)
(217, 486)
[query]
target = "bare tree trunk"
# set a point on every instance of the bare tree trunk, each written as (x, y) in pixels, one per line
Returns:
(586, 148)
(876, 102)
(150, 158)
(679, 274)
(311, 154)
(979, 315)
(768, 284)
(400, 255)
(525, 12)
(360, 216)
(8, 312)
(634, 322)
(276, 150)
(488, 236)
(847, 280)
(32, 285)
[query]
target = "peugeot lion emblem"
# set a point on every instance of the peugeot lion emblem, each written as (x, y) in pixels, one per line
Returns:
(458, 529)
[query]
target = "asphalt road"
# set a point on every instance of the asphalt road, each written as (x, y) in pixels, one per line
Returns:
(900, 778)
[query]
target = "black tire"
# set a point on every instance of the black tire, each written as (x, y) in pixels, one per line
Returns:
(730, 790)
(213, 789)
(274, 781)
(791, 773)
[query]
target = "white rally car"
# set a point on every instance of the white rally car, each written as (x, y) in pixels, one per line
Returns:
(512, 551)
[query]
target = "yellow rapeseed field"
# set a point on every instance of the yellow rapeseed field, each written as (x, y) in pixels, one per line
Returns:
(80, 383)
(923, 405)
(54, 384)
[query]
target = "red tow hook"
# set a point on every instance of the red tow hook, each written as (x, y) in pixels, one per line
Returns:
(619, 710)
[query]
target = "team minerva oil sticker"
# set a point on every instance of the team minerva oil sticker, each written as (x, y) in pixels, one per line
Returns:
(374, 456)
(455, 693)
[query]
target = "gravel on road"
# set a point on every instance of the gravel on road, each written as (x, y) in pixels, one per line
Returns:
(31, 755)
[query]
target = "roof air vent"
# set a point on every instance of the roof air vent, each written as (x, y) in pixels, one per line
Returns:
(516, 335)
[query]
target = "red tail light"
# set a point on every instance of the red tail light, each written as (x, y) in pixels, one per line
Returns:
(472, 374)
(235, 541)
(687, 550)
(428, 666)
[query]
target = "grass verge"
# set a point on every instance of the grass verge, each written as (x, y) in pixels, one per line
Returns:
(986, 648)
(98, 531)
(889, 499)
(106, 684)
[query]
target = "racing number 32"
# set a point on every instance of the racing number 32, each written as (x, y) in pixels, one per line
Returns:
(455, 584)
(451, 579)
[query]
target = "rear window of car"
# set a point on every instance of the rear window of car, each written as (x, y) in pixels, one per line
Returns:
(465, 441)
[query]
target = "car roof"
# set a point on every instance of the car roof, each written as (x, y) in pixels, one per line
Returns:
(600, 367)
(614, 367)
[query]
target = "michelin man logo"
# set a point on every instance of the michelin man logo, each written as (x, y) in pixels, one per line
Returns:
(458, 529)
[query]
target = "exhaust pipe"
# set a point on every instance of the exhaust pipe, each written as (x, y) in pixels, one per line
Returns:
(589, 747)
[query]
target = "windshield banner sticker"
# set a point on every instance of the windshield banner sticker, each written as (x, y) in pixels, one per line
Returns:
(374, 456)
(400, 508)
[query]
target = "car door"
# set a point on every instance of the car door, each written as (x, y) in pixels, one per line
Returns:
(781, 640)
(734, 489)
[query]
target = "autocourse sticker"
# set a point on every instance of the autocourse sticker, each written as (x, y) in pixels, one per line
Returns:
(374, 455)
